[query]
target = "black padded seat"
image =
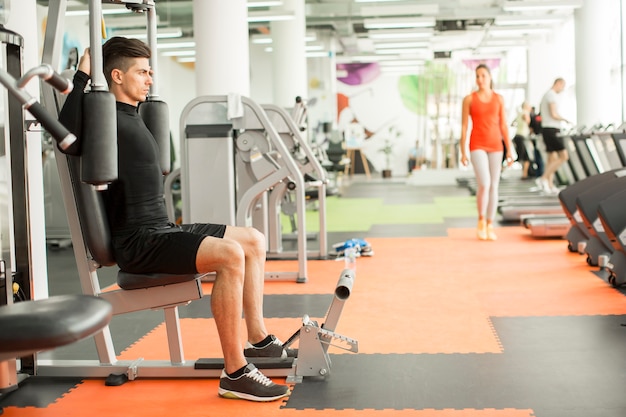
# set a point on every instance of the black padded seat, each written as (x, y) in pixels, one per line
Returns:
(31, 326)
(128, 281)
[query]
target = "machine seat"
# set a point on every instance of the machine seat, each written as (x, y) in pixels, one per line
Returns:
(31, 326)
(128, 281)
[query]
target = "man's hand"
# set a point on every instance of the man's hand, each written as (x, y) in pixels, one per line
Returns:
(84, 64)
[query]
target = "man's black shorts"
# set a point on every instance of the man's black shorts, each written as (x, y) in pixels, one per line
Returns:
(171, 249)
(554, 143)
(520, 148)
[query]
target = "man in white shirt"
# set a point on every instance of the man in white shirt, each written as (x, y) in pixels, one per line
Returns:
(551, 122)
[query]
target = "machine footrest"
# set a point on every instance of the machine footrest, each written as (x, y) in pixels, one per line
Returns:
(261, 363)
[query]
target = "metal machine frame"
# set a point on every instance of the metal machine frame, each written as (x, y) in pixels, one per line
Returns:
(165, 297)
(212, 145)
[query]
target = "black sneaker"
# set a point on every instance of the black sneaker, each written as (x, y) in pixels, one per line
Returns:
(252, 386)
(272, 349)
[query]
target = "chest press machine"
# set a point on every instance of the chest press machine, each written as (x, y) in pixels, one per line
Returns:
(92, 249)
(30, 326)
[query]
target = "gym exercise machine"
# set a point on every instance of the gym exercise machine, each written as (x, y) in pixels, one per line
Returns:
(598, 247)
(280, 196)
(539, 212)
(601, 150)
(602, 155)
(91, 243)
(578, 235)
(230, 149)
(30, 326)
(613, 222)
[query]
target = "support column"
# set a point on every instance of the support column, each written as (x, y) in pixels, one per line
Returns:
(322, 84)
(21, 21)
(289, 56)
(222, 57)
(593, 61)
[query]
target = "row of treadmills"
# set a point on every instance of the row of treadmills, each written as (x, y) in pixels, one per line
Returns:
(590, 209)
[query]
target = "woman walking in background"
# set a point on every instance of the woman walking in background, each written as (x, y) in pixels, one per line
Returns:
(488, 138)
(522, 133)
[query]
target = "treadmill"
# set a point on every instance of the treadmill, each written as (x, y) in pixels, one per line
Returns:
(578, 235)
(590, 155)
(543, 215)
(599, 247)
(607, 155)
(620, 145)
(613, 220)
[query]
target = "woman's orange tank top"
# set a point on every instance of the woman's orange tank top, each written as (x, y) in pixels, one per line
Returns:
(485, 124)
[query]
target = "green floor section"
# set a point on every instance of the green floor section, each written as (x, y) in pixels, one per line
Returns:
(359, 214)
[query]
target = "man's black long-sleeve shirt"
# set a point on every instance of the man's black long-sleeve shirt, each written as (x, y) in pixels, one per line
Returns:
(135, 199)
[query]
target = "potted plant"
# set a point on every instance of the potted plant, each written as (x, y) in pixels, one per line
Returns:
(387, 149)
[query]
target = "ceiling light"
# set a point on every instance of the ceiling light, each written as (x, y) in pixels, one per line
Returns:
(117, 10)
(317, 54)
(400, 9)
(161, 33)
(268, 17)
(399, 34)
(513, 20)
(187, 52)
(521, 6)
(387, 45)
(264, 3)
(186, 59)
(175, 45)
(399, 22)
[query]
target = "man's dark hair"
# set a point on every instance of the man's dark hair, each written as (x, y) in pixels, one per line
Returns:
(118, 51)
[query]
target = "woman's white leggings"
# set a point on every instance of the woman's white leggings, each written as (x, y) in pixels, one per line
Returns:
(487, 167)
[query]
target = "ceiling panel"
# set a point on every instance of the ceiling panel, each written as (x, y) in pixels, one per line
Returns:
(459, 24)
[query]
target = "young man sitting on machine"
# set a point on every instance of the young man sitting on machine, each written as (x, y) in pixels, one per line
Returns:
(144, 240)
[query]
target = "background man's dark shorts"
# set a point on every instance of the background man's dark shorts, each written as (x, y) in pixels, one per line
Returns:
(554, 143)
(169, 249)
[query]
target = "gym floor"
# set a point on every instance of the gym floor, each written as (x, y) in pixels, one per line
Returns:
(448, 326)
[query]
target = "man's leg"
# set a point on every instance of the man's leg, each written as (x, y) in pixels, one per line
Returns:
(253, 244)
(239, 379)
(562, 157)
(226, 258)
(555, 160)
(549, 169)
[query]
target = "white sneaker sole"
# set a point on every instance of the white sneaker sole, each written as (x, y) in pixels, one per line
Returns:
(234, 395)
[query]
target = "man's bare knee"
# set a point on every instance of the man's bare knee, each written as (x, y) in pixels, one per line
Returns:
(257, 242)
(221, 256)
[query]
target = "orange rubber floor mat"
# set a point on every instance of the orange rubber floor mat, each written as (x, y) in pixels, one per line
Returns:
(415, 295)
